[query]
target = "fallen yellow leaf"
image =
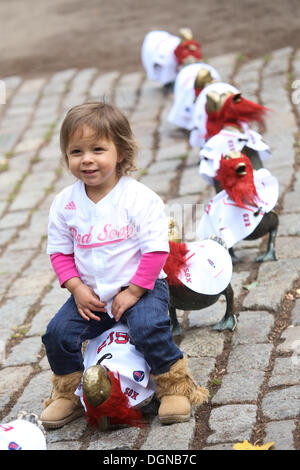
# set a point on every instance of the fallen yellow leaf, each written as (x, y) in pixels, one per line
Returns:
(247, 446)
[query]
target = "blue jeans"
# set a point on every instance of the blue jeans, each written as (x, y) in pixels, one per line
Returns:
(149, 329)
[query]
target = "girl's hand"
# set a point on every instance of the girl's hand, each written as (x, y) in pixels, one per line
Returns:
(85, 299)
(126, 299)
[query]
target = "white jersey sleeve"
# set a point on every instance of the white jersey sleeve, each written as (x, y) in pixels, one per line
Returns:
(151, 220)
(60, 239)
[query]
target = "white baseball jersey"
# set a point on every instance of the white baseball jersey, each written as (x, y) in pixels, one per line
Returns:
(227, 141)
(222, 216)
(198, 133)
(158, 56)
(184, 94)
(108, 238)
(115, 351)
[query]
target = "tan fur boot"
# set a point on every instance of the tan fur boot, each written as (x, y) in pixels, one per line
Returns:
(177, 391)
(63, 406)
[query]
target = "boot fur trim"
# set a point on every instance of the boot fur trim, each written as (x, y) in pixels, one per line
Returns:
(64, 386)
(178, 381)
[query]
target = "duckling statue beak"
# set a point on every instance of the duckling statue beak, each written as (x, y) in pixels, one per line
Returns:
(105, 402)
(96, 385)
(96, 389)
(241, 169)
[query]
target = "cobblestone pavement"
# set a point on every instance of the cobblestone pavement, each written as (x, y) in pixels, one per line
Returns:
(253, 373)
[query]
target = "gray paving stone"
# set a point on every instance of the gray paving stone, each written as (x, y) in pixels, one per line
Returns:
(65, 445)
(102, 86)
(282, 404)
(24, 353)
(12, 379)
(57, 296)
(115, 439)
(220, 447)
(289, 225)
(202, 343)
(249, 357)
(239, 387)
(253, 328)
(288, 247)
(5, 282)
(207, 317)
(164, 166)
(159, 183)
(172, 437)
(295, 314)
(6, 235)
(81, 81)
(232, 423)
(73, 99)
(41, 320)
(70, 432)
(224, 64)
(11, 83)
(150, 98)
(63, 75)
(14, 311)
(127, 89)
(144, 159)
(291, 203)
(4, 400)
(171, 152)
(275, 278)
(31, 85)
(286, 371)
(32, 198)
(11, 220)
(278, 63)
(190, 182)
(8, 141)
(33, 396)
(201, 369)
(192, 158)
(238, 281)
(31, 284)
(2, 350)
(291, 336)
(281, 433)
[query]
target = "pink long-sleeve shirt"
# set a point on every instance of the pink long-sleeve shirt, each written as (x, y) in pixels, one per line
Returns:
(145, 276)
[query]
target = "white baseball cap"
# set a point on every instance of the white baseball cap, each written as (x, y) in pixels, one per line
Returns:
(208, 267)
(21, 435)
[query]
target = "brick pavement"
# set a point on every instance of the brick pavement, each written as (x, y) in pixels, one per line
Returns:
(252, 373)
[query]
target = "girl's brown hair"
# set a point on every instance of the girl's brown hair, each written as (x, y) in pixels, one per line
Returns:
(108, 122)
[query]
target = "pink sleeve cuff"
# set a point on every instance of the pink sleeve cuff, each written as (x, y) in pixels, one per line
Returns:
(149, 269)
(64, 267)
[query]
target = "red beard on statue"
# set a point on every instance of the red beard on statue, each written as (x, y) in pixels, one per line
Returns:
(175, 262)
(234, 111)
(116, 407)
(236, 177)
(187, 49)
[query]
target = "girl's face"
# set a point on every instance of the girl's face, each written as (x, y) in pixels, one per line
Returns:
(93, 160)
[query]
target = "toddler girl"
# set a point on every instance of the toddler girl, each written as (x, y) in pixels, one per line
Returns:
(108, 242)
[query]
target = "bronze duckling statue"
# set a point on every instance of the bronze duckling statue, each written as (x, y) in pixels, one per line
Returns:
(196, 287)
(243, 210)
